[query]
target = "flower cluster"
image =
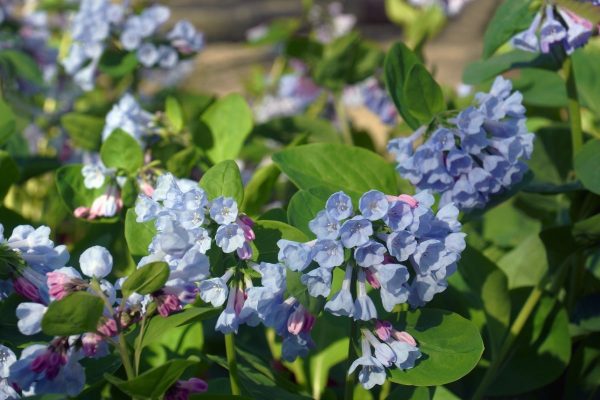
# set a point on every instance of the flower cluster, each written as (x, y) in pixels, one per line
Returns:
(392, 348)
(99, 20)
(554, 27)
(450, 7)
(371, 95)
(129, 116)
(330, 22)
(294, 93)
(474, 156)
(392, 236)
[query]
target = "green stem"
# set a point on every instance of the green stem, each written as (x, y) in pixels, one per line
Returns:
(573, 107)
(340, 112)
(124, 352)
(137, 354)
(232, 364)
(351, 378)
(517, 326)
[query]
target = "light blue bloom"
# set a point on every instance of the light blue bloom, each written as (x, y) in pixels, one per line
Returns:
(129, 116)
(370, 254)
(342, 303)
(295, 256)
(328, 253)
(7, 358)
(29, 317)
(373, 205)
(147, 54)
(401, 244)
(339, 206)
(230, 238)
(406, 355)
(224, 210)
(552, 31)
(185, 38)
(228, 321)
(372, 372)
(96, 262)
(324, 226)
(394, 289)
(317, 281)
(355, 232)
(364, 308)
(168, 57)
(399, 215)
(215, 290)
(294, 346)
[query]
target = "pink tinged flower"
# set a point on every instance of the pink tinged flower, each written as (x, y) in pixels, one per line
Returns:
(372, 278)
(26, 289)
(246, 224)
(240, 299)
(383, 329)
(90, 343)
(108, 328)
(168, 304)
(147, 189)
(403, 336)
(245, 252)
(300, 321)
(49, 362)
(411, 201)
(60, 285)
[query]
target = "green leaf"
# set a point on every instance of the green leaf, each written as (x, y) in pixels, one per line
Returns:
(10, 173)
(587, 165)
(121, 150)
(451, 347)
(483, 70)
(147, 279)
(138, 234)
(583, 10)
(118, 63)
(346, 60)
(182, 162)
(512, 17)
(154, 383)
(587, 231)
(174, 113)
(223, 179)
(159, 326)
(32, 166)
(339, 167)
(398, 62)
(84, 130)
(586, 71)
(228, 122)
(424, 94)
(541, 88)
(287, 129)
(77, 313)
(259, 189)
(277, 31)
(22, 65)
(7, 122)
(544, 344)
(297, 289)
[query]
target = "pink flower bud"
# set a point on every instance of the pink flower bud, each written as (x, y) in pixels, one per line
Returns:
(147, 189)
(108, 328)
(245, 252)
(404, 337)
(296, 321)
(411, 201)
(81, 212)
(383, 329)
(57, 284)
(90, 342)
(240, 299)
(168, 304)
(26, 289)
(372, 278)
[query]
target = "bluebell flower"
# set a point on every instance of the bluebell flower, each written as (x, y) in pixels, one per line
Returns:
(229, 321)
(342, 303)
(147, 54)
(29, 317)
(185, 38)
(96, 262)
(294, 346)
(364, 308)
(393, 279)
(325, 226)
(370, 254)
(374, 97)
(295, 256)
(317, 281)
(372, 372)
(224, 210)
(355, 232)
(168, 57)
(7, 358)
(339, 206)
(230, 237)
(476, 156)
(215, 290)
(328, 253)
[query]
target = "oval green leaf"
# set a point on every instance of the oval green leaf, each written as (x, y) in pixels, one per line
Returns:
(120, 150)
(587, 165)
(223, 179)
(147, 279)
(77, 313)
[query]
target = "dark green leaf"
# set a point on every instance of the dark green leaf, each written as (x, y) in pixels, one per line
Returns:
(147, 279)
(118, 63)
(7, 122)
(121, 150)
(267, 235)
(583, 10)
(84, 130)
(587, 231)
(158, 325)
(77, 313)
(227, 122)
(304, 206)
(259, 189)
(451, 347)
(586, 71)
(223, 179)
(587, 165)
(339, 167)
(138, 234)
(154, 383)
(10, 173)
(22, 65)
(512, 17)
(424, 94)
(182, 162)
(32, 166)
(398, 62)
(541, 88)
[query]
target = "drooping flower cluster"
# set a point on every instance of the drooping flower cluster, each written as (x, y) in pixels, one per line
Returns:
(294, 93)
(129, 116)
(397, 245)
(97, 21)
(552, 27)
(450, 7)
(392, 349)
(474, 156)
(371, 95)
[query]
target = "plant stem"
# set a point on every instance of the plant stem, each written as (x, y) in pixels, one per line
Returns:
(137, 354)
(232, 364)
(124, 352)
(573, 107)
(517, 326)
(340, 112)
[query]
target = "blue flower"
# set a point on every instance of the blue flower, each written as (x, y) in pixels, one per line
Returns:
(394, 288)
(96, 262)
(328, 253)
(230, 237)
(370, 254)
(215, 290)
(364, 308)
(224, 210)
(355, 232)
(324, 226)
(317, 281)
(372, 372)
(295, 256)
(30, 317)
(373, 205)
(339, 206)
(342, 303)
